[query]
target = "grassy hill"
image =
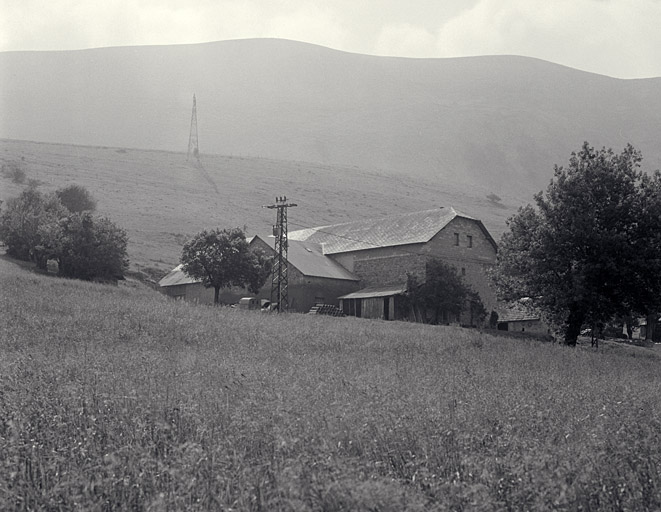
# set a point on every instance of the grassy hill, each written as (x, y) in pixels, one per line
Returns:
(161, 199)
(115, 398)
(483, 122)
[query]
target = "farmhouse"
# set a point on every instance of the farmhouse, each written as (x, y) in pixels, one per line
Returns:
(362, 266)
(381, 252)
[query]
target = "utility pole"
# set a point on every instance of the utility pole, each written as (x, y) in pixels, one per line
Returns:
(192, 138)
(279, 280)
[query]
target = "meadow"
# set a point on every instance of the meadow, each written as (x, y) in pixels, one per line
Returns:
(162, 200)
(115, 398)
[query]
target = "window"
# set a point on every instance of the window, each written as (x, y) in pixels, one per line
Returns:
(456, 239)
(470, 241)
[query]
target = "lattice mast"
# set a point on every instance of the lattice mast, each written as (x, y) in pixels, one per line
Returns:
(279, 278)
(193, 148)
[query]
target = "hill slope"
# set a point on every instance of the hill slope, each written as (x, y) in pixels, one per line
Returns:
(498, 123)
(161, 199)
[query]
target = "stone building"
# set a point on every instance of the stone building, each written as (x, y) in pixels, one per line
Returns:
(381, 252)
(362, 266)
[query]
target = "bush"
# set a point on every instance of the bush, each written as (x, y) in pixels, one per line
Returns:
(37, 227)
(24, 221)
(90, 248)
(76, 199)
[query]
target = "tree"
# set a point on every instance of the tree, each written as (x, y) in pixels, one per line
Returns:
(443, 294)
(22, 222)
(76, 199)
(223, 258)
(88, 247)
(591, 248)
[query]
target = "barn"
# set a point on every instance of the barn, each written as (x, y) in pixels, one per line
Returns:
(381, 252)
(362, 266)
(313, 278)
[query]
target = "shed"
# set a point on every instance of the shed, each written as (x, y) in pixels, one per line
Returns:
(373, 302)
(521, 317)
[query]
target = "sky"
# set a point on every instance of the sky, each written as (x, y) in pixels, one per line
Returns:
(618, 38)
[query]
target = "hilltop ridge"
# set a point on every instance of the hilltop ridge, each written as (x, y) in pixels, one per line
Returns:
(498, 123)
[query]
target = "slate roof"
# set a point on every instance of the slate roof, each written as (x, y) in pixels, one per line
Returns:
(393, 230)
(518, 312)
(175, 277)
(310, 260)
(307, 257)
(376, 291)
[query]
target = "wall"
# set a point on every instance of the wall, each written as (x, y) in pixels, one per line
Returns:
(349, 259)
(524, 325)
(304, 291)
(389, 265)
(388, 269)
(471, 262)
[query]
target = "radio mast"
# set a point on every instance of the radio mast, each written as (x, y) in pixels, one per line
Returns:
(193, 148)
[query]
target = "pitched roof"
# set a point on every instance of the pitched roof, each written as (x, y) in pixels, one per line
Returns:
(409, 228)
(376, 291)
(177, 276)
(519, 311)
(309, 259)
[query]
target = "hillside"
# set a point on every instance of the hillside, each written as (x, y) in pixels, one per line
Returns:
(494, 123)
(161, 199)
(115, 395)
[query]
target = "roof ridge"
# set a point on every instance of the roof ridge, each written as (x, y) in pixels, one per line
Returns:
(383, 217)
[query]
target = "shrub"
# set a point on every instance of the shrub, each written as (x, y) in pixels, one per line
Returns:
(76, 199)
(23, 222)
(89, 248)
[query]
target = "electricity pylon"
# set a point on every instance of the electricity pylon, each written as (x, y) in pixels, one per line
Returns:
(192, 138)
(279, 278)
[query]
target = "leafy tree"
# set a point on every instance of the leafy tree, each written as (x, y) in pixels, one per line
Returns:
(443, 294)
(76, 199)
(223, 258)
(591, 248)
(22, 222)
(89, 247)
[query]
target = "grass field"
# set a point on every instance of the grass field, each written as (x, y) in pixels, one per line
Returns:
(162, 200)
(115, 398)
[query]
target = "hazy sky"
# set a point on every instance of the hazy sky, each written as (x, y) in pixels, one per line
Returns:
(620, 38)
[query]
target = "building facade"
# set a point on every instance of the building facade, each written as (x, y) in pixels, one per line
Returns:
(363, 266)
(383, 252)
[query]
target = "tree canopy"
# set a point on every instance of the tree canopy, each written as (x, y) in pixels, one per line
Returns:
(89, 247)
(222, 258)
(23, 221)
(443, 294)
(76, 199)
(37, 227)
(590, 248)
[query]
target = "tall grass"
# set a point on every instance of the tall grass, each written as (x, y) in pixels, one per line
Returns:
(116, 398)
